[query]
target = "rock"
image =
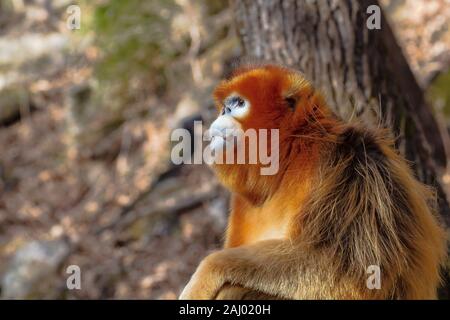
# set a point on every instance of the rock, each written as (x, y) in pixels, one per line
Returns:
(31, 57)
(31, 266)
(16, 51)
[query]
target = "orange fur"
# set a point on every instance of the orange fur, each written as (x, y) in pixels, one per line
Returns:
(342, 200)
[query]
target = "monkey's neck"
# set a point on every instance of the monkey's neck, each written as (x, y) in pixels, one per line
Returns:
(256, 216)
(298, 164)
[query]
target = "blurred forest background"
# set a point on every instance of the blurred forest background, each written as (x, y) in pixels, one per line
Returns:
(85, 121)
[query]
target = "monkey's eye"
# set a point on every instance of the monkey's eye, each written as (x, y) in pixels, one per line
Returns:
(235, 106)
(240, 103)
(234, 102)
(291, 102)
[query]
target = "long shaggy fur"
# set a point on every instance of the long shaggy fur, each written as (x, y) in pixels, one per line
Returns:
(367, 209)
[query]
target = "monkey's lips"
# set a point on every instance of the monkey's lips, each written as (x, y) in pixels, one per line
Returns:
(220, 140)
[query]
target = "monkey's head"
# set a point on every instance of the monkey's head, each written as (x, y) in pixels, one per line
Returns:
(254, 98)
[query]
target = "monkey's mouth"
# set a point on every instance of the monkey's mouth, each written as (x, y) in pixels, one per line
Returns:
(220, 139)
(223, 133)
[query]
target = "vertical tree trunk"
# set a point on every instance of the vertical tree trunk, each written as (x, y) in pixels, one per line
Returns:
(360, 71)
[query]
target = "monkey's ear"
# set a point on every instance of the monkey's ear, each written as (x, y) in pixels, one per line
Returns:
(291, 102)
(294, 89)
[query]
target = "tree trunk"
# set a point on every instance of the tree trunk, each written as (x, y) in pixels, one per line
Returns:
(360, 71)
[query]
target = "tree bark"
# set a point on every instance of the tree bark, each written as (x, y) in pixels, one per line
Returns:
(361, 72)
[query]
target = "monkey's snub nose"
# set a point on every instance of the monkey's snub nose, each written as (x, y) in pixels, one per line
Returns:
(223, 126)
(224, 133)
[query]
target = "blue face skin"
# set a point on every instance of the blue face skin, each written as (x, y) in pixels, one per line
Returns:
(232, 103)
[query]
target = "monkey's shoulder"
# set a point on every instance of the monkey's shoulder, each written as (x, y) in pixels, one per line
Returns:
(362, 145)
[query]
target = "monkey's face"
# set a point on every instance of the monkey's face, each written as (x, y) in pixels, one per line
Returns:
(233, 110)
(260, 98)
(246, 104)
(252, 101)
